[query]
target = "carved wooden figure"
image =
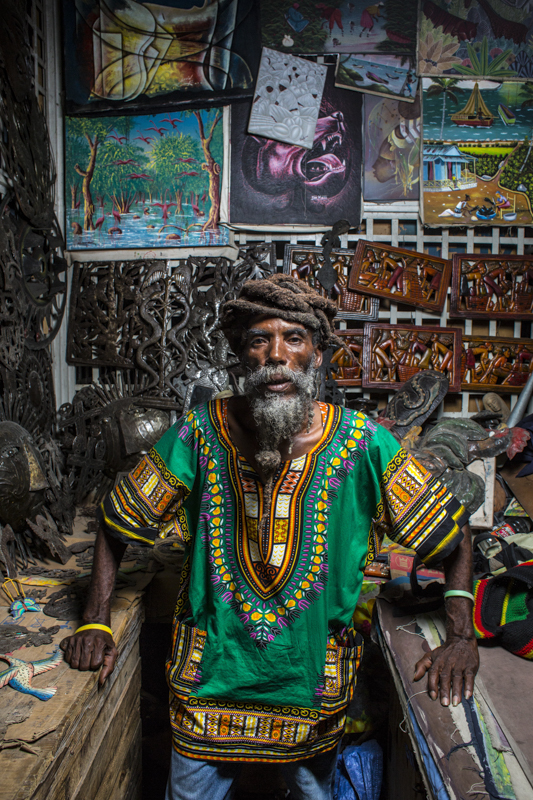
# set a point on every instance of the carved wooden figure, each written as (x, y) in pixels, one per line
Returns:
(347, 362)
(305, 262)
(492, 287)
(495, 364)
(405, 276)
(394, 353)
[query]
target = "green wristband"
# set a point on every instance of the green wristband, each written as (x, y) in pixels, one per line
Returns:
(459, 593)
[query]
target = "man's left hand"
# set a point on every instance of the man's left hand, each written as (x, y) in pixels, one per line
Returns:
(450, 667)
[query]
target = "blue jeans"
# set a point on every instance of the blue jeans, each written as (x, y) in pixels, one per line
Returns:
(189, 779)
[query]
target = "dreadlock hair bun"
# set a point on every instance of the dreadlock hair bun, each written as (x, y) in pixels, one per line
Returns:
(279, 296)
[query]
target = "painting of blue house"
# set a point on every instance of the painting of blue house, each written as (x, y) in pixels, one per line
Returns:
(445, 168)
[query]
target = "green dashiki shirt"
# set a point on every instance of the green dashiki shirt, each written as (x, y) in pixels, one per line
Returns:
(263, 659)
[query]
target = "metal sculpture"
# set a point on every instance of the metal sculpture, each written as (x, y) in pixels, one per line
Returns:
(399, 274)
(415, 401)
(394, 353)
(492, 287)
(20, 674)
(306, 263)
(495, 363)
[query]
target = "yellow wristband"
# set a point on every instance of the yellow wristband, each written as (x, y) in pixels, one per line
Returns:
(95, 626)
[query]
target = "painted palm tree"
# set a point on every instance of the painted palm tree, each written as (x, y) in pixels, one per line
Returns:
(447, 87)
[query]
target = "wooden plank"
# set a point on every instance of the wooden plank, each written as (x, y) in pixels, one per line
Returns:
(123, 781)
(70, 714)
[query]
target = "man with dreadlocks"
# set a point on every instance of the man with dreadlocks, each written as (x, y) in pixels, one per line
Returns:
(280, 501)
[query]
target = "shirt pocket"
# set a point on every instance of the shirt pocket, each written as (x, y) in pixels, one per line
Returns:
(183, 667)
(342, 662)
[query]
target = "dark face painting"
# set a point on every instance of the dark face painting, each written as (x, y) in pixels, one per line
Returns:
(275, 183)
(126, 53)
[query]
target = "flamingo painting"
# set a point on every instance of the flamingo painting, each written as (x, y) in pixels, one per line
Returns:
(145, 139)
(153, 128)
(165, 207)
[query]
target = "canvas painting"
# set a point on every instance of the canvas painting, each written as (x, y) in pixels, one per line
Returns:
(392, 142)
(476, 39)
(132, 54)
(287, 98)
(390, 76)
(387, 26)
(477, 159)
(276, 183)
(144, 181)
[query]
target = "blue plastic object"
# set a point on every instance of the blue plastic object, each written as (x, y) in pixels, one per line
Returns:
(359, 772)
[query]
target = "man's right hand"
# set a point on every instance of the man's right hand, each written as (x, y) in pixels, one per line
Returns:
(91, 649)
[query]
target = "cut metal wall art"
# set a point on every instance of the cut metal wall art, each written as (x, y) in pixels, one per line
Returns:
(394, 353)
(492, 287)
(347, 362)
(402, 275)
(160, 319)
(304, 262)
(491, 363)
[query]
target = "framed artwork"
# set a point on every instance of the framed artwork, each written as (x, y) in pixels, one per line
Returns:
(390, 76)
(287, 98)
(476, 153)
(280, 184)
(144, 181)
(130, 55)
(495, 364)
(339, 26)
(392, 143)
(476, 38)
(347, 363)
(405, 276)
(492, 287)
(304, 262)
(394, 353)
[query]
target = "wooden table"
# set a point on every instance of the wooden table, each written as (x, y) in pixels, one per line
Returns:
(85, 742)
(502, 699)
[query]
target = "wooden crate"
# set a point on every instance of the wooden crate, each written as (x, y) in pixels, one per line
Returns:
(93, 748)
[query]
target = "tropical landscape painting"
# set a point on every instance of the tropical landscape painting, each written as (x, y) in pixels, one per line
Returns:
(477, 152)
(476, 38)
(144, 181)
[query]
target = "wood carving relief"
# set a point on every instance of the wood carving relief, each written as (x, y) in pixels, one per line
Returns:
(305, 262)
(347, 363)
(493, 287)
(394, 353)
(491, 363)
(402, 275)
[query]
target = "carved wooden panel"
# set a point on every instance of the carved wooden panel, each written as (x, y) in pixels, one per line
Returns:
(495, 364)
(347, 364)
(394, 353)
(304, 262)
(402, 275)
(492, 287)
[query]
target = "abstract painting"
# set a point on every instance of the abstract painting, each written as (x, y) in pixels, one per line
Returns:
(394, 353)
(144, 181)
(390, 76)
(492, 287)
(477, 39)
(392, 142)
(400, 274)
(287, 98)
(494, 364)
(387, 26)
(134, 54)
(303, 263)
(273, 183)
(477, 159)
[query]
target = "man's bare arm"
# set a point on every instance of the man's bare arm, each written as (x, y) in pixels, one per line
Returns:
(91, 649)
(456, 662)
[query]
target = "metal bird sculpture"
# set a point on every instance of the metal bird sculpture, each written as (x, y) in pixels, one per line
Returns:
(20, 674)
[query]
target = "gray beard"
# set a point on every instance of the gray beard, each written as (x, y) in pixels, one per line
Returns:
(277, 417)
